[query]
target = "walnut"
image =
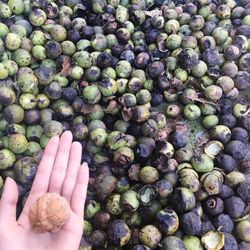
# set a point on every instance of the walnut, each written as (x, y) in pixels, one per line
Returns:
(49, 213)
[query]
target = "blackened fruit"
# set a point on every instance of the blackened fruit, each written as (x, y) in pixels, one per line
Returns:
(69, 94)
(105, 60)
(155, 69)
(183, 199)
(224, 222)
(210, 57)
(230, 242)
(214, 205)
(226, 191)
(167, 221)
(239, 134)
(98, 238)
(191, 223)
(236, 149)
(179, 139)
(226, 106)
(234, 206)
(242, 80)
(228, 120)
(243, 191)
(119, 233)
(188, 58)
(32, 116)
(172, 243)
(226, 162)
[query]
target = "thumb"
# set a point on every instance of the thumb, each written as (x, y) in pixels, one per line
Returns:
(8, 201)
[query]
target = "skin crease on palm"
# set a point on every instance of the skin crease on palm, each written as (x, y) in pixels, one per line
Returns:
(60, 171)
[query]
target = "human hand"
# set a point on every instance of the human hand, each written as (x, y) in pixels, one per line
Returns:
(59, 171)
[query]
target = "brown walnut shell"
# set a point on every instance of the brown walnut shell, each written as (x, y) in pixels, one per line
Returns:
(49, 213)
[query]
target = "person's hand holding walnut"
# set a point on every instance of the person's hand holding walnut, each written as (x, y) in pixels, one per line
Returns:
(52, 217)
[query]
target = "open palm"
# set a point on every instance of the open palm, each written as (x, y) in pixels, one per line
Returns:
(60, 171)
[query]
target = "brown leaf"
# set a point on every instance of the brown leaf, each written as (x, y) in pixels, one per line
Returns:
(66, 67)
(87, 108)
(133, 172)
(126, 114)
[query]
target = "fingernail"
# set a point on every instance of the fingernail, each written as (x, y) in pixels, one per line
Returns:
(84, 164)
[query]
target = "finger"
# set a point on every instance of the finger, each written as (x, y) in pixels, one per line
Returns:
(41, 181)
(73, 167)
(80, 190)
(42, 178)
(61, 163)
(8, 201)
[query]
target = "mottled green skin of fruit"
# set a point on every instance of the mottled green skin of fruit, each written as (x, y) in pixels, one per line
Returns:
(113, 204)
(91, 94)
(202, 163)
(25, 171)
(5, 10)
(22, 57)
(87, 227)
(7, 159)
(1, 184)
(3, 72)
(133, 220)
(18, 143)
(14, 113)
(192, 242)
(7, 96)
(243, 230)
(4, 30)
(150, 236)
(16, 6)
(52, 128)
(191, 112)
(12, 41)
(98, 136)
(11, 66)
(92, 208)
(124, 156)
(44, 140)
(37, 17)
(129, 201)
(123, 69)
(33, 147)
(148, 175)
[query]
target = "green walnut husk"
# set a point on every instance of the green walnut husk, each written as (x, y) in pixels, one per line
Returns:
(150, 236)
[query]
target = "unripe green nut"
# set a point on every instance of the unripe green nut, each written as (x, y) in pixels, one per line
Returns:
(191, 112)
(18, 143)
(16, 6)
(5, 11)
(38, 37)
(192, 242)
(37, 17)
(7, 159)
(123, 69)
(4, 73)
(77, 72)
(38, 52)
(11, 66)
(4, 30)
(210, 121)
(148, 175)
(22, 57)
(202, 163)
(68, 48)
(12, 41)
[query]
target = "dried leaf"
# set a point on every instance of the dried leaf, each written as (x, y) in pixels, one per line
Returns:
(66, 67)
(201, 140)
(87, 108)
(133, 172)
(126, 114)
(155, 12)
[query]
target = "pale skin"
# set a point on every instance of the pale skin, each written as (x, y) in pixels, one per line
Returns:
(60, 171)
